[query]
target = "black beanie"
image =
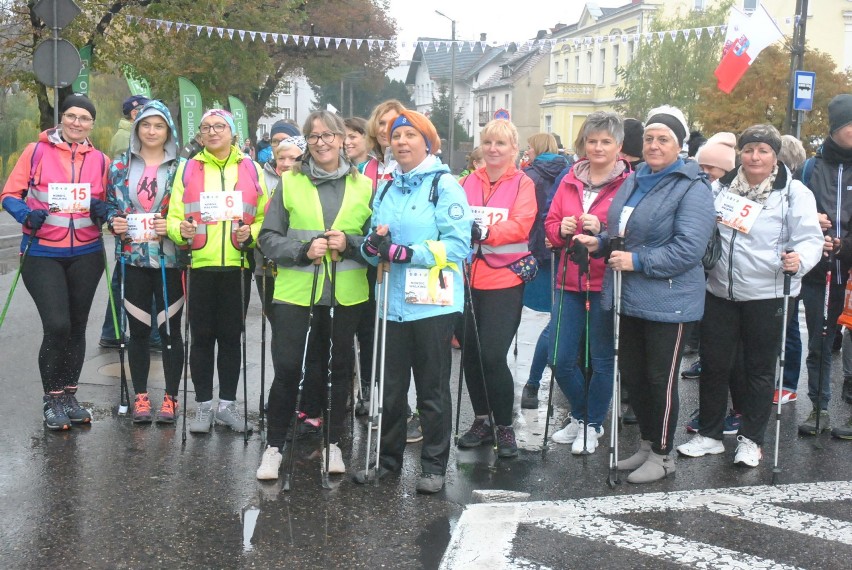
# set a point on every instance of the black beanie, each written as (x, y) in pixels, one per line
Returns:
(77, 101)
(634, 131)
(839, 112)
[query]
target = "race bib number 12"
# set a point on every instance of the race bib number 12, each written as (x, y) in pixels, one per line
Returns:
(487, 216)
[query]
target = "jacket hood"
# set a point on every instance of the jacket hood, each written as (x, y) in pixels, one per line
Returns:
(430, 165)
(548, 168)
(236, 156)
(155, 108)
(54, 136)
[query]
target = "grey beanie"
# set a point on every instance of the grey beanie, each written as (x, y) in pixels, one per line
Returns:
(839, 112)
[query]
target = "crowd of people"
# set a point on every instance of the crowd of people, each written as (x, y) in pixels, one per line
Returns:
(359, 236)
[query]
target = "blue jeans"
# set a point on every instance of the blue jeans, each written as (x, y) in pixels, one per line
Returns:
(541, 356)
(792, 348)
(108, 328)
(819, 347)
(566, 340)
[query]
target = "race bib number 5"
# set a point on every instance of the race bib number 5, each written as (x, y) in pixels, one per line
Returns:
(737, 212)
(221, 207)
(69, 198)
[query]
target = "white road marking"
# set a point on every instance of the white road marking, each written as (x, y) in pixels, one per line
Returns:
(485, 533)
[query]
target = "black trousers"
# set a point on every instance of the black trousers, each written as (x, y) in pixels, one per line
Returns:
(649, 362)
(289, 327)
(757, 325)
(498, 314)
(62, 289)
(421, 347)
(215, 321)
(140, 284)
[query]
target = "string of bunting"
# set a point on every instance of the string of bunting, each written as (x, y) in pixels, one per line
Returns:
(329, 42)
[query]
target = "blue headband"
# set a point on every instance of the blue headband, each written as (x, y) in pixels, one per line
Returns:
(402, 121)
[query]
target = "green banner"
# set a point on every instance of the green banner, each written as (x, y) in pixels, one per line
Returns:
(81, 84)
(191, 109)
(238, 110)
(137, 84)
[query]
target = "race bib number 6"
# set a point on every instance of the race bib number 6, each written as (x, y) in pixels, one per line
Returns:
(221, 207)
(69, 198)
(488, 216)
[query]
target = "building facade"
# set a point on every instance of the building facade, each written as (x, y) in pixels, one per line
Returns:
(294, 102)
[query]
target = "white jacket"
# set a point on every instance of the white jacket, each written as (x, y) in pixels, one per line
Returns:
(750, 266)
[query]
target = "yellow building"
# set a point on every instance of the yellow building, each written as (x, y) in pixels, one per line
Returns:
(582, 77)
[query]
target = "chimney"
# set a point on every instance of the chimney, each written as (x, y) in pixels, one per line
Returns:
(482, 37)
(541, 34)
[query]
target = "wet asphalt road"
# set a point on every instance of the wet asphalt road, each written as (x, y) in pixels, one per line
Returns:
(116, 495)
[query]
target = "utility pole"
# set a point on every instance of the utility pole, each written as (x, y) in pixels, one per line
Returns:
(793, 120)
(452, 121)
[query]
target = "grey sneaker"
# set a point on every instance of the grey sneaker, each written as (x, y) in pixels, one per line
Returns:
(430, 483)
(414, 432)
(529, 397)
(232, 418)
(809, 426)
(203, 420)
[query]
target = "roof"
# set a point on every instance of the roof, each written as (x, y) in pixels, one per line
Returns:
(469, 60)
(519, 64)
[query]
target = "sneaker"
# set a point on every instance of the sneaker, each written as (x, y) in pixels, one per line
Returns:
(809, 427)
(363, 477)
(592, 435)
(414, 431)
(847, 389)
(430, 483)
(75, 412)
(844, 432)
(479, 433)
(507, 447)
(748, 453)
(142, 409)
(568, 433)
(111, 342)
(699, 446)
(693, 426)
(270, 464)
(168, 411)
(629, 417)
(785, 395)
(309, 426)
(693, 372)
(656, 467)
(529, 397)
(335, 460)
(690, 349)
(733, 421)
(55, 417)
(231, 417)
(156, 346)
(455, 343)
(203, 418)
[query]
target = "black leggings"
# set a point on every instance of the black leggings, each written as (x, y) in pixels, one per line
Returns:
(498, 314)
(215, 321)
(140, 284)
(62, 289)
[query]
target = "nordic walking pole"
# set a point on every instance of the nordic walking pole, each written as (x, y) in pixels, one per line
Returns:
(243, 337)
(616, 244)
(288, 474)
(583, 264)
(381, 310)
(15, 280)
(380, 397)
(481, 365)
(465, 309)
(261, 411)
(186, 274)
(824, 336)
(356, 381)
(327, 430)
(788, 275)
(165, 297)
(564, 260)
(125, 393)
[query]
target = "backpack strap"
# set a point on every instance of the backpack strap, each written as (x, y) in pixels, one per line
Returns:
(433, 191)
(808, 170)
(35, 160)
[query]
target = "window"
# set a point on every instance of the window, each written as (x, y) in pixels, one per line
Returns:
(576, 69)
(548, 124)
(750, 5)
(602, 66)
(506, 101)
(556, 76)
(285, 113)
(493, 103)
(506, 72)
(699, 5)
(589, 65)
(287, 87)
(615, 52)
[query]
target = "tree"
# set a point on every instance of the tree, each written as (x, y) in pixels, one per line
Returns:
(365, 95)
(761, 95)
(440, 116)
(672, 71)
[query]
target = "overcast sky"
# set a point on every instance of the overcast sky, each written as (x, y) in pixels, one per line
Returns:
(502, 20)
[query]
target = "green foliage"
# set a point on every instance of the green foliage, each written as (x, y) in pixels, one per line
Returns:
(366, 94)
(672, 72)
(440, 117)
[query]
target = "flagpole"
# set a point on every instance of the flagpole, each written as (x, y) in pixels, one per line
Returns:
(793, 120)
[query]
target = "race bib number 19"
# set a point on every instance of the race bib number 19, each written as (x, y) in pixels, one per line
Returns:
(69, 198)
(140, 228)
(221, 207)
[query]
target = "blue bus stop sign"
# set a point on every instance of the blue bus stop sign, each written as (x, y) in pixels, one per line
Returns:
(805, 84)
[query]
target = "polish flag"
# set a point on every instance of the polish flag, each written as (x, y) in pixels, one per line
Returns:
(744, 40)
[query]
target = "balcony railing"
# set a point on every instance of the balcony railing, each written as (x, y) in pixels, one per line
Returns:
(576, 91)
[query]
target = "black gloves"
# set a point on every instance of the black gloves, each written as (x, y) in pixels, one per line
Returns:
(98, 211)
(35, 219)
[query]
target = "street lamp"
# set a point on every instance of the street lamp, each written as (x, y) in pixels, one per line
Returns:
(452, 120)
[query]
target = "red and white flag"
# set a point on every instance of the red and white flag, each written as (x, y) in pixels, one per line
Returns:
(746, 37)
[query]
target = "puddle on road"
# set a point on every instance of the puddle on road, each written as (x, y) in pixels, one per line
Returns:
(249, 516)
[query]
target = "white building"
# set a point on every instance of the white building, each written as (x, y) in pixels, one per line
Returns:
(294, 101)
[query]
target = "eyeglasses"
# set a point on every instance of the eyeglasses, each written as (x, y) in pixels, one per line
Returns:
(72, 118)
(276, 142)
(216, 128)
(327, 137)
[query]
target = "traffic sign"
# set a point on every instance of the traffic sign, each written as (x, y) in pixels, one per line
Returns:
(66, 58)
(501, 114)
(805, 84)
(56, 13)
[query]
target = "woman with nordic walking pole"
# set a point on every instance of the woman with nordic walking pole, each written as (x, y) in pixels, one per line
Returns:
(768, 225)
(223, 193)
(664, 211)
(313, 232)
(138, 195)
(503, 202)
(580, 205)
(421, 227)
(56, 192)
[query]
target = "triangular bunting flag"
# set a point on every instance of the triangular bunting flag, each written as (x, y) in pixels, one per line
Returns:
(178, 26)
(230, 32)
(221, 32)
(263, 36)
(697, 33)
(209, 31)
(370, 46)
(661, 35)
(382, 46)
(296, 40)
(327, 42)
(349, 46)
(316, 41)
(358, 46)
(673, 35)
(284, 38)
(252, 35)
(710, 31)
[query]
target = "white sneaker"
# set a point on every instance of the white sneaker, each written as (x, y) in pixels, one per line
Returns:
(699, 446)
(748, 453)
(592, 435)
(335, 460)
(567, 434)
(270, 463)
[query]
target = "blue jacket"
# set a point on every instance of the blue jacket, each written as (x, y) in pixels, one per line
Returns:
(669, 229)
(413, 219)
